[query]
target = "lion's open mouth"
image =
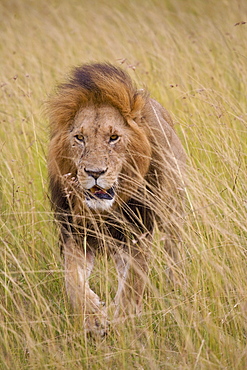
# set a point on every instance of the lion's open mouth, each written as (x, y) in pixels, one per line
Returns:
(98, 192)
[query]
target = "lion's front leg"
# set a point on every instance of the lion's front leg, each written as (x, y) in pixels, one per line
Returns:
(121, 298)
(140, 267)
(132, 278)
(78, 267)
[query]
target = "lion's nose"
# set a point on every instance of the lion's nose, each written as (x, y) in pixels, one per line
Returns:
(95, 173)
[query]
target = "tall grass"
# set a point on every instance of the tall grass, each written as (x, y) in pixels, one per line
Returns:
(192, 58)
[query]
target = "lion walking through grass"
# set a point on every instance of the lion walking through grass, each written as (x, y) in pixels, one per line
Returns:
(115, 167)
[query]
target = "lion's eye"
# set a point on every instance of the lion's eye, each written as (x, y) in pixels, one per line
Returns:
(113, 138)
(79, 137)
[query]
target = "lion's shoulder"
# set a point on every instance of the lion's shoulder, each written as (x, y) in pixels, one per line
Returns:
(154, 112)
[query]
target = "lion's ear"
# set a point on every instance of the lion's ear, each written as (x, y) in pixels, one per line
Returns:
(137, 110)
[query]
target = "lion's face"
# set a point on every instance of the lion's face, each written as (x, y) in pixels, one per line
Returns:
(98, 144)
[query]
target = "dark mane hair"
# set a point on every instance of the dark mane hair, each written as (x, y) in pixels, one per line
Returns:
(95, 84)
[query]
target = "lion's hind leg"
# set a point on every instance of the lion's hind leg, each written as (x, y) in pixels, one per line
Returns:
(78, 267)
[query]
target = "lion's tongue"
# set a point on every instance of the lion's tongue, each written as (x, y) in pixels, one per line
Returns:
(101, 193)
(97, 190)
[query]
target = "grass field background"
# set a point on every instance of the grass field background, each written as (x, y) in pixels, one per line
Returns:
(192, 57)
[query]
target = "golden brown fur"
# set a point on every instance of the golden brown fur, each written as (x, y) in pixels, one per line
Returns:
(115, 170)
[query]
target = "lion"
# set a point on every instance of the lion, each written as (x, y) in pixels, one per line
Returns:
(115, 169)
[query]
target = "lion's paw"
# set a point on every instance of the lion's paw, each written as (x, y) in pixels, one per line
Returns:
(96, 324)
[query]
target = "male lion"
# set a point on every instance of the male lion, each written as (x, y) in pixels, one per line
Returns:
(115, 173)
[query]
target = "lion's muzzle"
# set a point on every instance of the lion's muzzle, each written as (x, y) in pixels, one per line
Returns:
(95, 173)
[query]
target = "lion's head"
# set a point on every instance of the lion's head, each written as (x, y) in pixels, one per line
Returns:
(99, 143)
(101, 146)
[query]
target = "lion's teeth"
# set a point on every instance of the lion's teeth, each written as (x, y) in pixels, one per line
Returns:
(93, 189)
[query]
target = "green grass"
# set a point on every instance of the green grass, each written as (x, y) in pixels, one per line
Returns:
(192, 58)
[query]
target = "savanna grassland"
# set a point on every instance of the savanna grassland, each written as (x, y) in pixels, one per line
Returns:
(192, 56)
